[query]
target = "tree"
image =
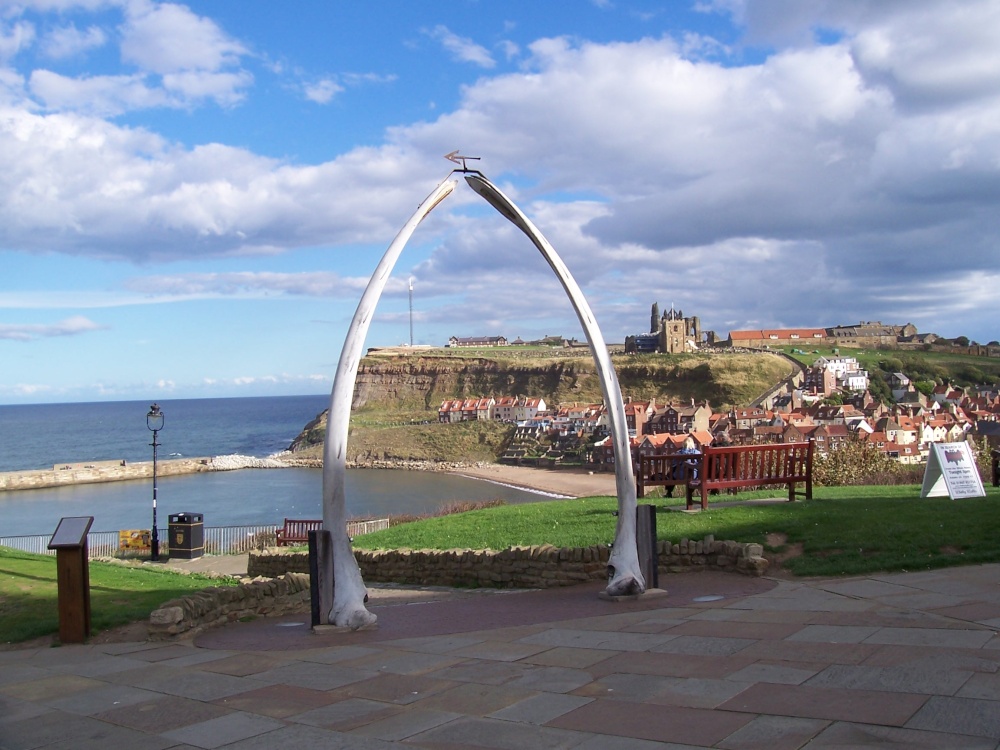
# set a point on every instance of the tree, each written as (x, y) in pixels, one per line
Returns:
(879, 389)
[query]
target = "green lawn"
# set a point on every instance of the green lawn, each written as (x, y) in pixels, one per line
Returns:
(119, 594)
(842, 531)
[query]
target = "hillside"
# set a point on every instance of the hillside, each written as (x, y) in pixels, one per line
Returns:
(402, 380)
(398, 392)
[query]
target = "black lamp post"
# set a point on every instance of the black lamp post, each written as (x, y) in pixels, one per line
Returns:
(154, 421)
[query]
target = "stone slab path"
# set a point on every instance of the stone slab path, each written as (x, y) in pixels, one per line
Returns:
(906, 660)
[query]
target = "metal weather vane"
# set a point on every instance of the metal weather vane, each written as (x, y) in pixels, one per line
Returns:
(460, 159)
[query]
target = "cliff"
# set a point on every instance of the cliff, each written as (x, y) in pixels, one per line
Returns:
(398, 392)
(415, 382)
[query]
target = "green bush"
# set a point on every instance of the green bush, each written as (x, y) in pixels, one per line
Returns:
(858, 463)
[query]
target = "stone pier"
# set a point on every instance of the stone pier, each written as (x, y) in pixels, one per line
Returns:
(99, 471)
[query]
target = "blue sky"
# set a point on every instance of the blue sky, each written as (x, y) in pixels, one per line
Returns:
(192, 197)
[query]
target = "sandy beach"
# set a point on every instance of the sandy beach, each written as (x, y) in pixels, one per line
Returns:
(567, 482)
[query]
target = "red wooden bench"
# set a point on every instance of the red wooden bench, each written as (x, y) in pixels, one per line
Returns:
(748, 466)
(296, 531)
(729, 468)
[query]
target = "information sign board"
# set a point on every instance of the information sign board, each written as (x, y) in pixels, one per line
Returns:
(134, 539)
(951, 470)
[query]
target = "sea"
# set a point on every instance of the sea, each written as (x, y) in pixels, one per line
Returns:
(40, 436)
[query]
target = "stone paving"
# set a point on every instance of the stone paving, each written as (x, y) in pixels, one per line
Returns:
(907, 660)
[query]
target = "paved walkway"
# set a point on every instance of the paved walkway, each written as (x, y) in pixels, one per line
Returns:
(889, 661)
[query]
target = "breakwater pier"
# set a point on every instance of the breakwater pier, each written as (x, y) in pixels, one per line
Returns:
(92, 472)
(95, 472)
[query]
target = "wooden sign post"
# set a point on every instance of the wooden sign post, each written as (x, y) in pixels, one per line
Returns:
(951, 470)
(73, 576)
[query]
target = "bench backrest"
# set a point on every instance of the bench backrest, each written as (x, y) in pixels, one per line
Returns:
(776, 463)
(300, 527)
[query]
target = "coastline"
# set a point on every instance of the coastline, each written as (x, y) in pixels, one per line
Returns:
(554, 483)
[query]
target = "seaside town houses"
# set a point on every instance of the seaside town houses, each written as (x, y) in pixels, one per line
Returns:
(830, 403)
(577, 433)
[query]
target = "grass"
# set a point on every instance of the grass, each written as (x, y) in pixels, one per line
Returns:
(842, 531)
(119, 594)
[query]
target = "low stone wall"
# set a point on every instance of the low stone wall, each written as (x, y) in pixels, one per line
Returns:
(219, 605)
(282, 578)
(542, 566)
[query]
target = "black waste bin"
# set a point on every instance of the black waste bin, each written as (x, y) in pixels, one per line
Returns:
(187, 536)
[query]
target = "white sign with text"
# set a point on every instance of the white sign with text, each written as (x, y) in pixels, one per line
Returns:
(951, 470)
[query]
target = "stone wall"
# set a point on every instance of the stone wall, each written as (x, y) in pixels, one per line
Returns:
(220, 605)
(542, 566)
(282, 584)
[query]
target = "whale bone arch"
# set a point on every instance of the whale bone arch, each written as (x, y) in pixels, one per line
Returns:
(349, 596)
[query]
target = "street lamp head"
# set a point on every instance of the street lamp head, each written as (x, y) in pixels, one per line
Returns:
(154, 420)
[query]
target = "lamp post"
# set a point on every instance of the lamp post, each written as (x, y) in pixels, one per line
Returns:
(154, 421)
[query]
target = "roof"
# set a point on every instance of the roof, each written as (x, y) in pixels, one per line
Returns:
(778, 333)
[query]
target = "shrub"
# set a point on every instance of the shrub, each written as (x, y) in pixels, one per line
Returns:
(858, 462)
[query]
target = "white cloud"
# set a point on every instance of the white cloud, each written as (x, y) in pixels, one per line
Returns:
(14, 38)
(174, 58)
(462, 49)
(68, 41)
(166, 38)
(72, 326)
(102, 96)
(322, 92)
(204, 285)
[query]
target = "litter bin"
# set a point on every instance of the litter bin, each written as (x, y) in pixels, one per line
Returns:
(187, 536)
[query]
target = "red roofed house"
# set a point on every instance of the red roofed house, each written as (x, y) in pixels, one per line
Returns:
(778, 337)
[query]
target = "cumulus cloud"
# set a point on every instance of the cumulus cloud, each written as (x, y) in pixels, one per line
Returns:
(71, 326)
(68, 41)
(174, 58)
(166, 38)
(102, 96)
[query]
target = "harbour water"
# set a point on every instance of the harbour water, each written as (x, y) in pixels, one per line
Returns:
(44, 435)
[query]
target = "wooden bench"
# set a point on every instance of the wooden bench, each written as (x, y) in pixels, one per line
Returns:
(748, 466)
(729, 468)
(296, 531)
(676, 469)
